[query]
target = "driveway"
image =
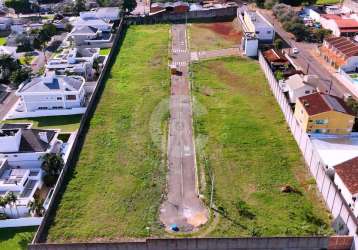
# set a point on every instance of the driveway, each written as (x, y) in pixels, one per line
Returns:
(182, 206)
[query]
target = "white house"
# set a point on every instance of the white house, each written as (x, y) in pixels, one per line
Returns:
(107, 14)
(23, 182)
(90, 36)
(25, 147)
(52, 92)
(50, 95)
(297, 86)
(346, 179)
(74, 61)
(257, 24)
(96, 23)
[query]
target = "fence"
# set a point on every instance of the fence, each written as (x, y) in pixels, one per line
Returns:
(330, 193)
(77, 143)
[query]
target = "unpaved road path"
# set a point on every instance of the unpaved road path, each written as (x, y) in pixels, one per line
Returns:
(183, 206)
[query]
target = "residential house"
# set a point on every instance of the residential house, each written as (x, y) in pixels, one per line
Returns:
(90, 36)
(74, 61)
(298, 85)
(25, 147)
(257, 24)
(51, 92)
(275, 58)
(346, 179)
(8, 50)
(157, 7)
(180, 7)
(5, 23)
(339, 25)
(96, 23)
(340, 52)
(323, 113)
(23, 182)
(108, 14)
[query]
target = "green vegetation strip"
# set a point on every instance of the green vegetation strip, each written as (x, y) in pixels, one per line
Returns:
(67, 123)
(324, 2)
(16, 238)
(2, 41)
(252, 155)
(104, 52)
(119, 178)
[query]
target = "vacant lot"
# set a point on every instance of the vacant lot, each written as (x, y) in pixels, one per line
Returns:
(67, 123)
(119, 178)
(211, 36)
(16, 238)
(252, 155)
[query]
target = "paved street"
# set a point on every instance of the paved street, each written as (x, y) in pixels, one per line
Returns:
(6, 105)
(308, 62)
(182, 206)
(211, 54)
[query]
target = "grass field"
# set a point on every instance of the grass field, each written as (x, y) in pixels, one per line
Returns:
(323, 2)
(119, 178)
(252, 155)
(105, 52)
(211, 36)
(67, 123)
(16, 238)
(2, 41)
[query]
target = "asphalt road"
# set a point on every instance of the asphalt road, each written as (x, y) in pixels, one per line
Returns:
(7, 104)
(183, 206)
(328, 82)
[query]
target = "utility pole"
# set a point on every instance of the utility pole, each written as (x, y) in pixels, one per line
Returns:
(330, 87)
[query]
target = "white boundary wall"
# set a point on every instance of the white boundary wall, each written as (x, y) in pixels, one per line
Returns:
(21, 222)
(332, 197)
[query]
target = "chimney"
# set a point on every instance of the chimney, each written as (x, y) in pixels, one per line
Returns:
(43, 136)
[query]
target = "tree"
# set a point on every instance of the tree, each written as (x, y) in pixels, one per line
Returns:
(96, 65)
(3, 203)
(278, 43)
(20, 75)
(12, 199)
(7, 65)
(36, 206)
(129, 5)
(260, 3)
(80, 5)
(52, 165)
(20, 6)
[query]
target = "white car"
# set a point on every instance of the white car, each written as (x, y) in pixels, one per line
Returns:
(295, 50)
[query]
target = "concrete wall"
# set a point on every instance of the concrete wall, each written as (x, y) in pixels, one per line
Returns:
(21, 222)
(217, 14)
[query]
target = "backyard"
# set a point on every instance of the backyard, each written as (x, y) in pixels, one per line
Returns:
(115, 190)
(68, 123)
(211, 36)
(16, 238)
(251, 155)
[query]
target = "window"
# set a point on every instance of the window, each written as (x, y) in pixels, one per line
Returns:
(269, 32)
(59, 98)
(257, 32)
(43, 108)
(321, 121)
(70, 97)
(307, 92)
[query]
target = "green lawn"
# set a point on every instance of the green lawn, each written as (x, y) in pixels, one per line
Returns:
(67, 123)
(119, 178)
(105, 52)
(16, 238)
(2, 41)
(23, 58)
(252, 155)
(323, 2)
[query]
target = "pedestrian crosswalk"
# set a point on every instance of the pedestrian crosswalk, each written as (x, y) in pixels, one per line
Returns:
(179, 51)
(180, 63)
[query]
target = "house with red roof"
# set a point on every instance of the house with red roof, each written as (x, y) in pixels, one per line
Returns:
(346, 179)
(323, 113)
(339, 25)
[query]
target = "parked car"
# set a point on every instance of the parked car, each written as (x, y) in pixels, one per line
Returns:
(295, 50)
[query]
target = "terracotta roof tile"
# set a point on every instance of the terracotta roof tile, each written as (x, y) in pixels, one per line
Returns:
(319, 102)
(348, 172)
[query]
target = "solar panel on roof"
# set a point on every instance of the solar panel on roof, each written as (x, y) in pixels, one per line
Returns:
(334, 104)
